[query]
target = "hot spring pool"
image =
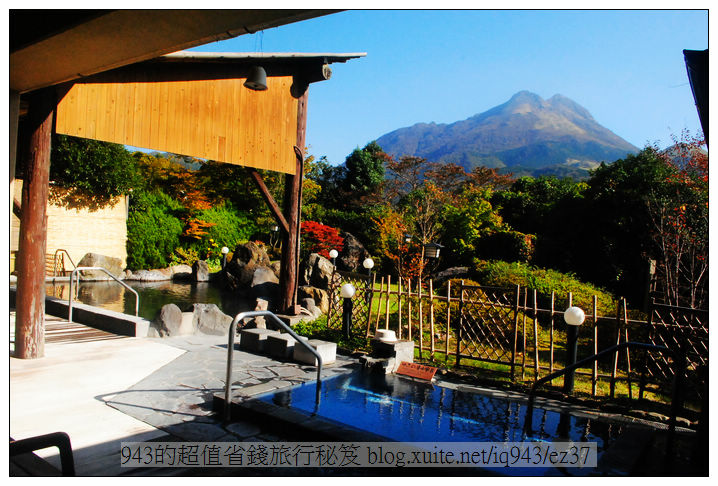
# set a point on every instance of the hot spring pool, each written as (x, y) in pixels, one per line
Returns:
(405, 410)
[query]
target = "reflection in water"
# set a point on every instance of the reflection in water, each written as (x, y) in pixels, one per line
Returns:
(153, 295)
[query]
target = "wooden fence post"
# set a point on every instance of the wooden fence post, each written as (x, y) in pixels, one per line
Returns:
(461, 324)
(431, 315)
(388, 296)
(553, 315)
(594, 375)
(516, 332)
(615, 355)
(398, 302)
(628, 356)
(421, 323)
(370, 299)
(523, 338)
(378, 312)
(448, 318)
(536, 352)
(408, 312)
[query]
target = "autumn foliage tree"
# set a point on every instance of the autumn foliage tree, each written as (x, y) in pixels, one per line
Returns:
(679, 214)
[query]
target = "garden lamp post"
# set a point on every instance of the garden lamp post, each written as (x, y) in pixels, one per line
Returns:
(347, 292)
(369, 264)
(224, 250)
(333, 254)
(431, 251)
(273, 235)
(574, 317)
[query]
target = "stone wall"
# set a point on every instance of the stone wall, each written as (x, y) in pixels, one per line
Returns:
(80, 231)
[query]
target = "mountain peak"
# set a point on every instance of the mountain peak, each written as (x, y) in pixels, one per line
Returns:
(526, 133)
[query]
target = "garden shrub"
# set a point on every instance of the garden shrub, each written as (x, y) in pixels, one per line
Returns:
(153, 230)
(224, 226)
(508, 246)
(504, 274)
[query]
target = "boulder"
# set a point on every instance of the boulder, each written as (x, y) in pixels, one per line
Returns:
(265, 283)
(450, 273)
(320, 297)
(111, 264)
(316, 271)
(276, 268)
(167, 323)
(200, 271)
(149, 276)
(239, 272)
(352, 255)
(181, 272)
(208, 319)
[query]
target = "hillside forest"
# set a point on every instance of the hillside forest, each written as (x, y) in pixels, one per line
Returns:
(603, 231)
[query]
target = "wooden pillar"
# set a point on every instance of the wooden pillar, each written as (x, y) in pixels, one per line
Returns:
(30, 303)
(292, 213)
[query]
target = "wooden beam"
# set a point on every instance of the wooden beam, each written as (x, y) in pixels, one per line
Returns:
(273, 206)
(30, 304)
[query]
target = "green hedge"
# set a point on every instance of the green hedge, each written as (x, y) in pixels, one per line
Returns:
(153, 230)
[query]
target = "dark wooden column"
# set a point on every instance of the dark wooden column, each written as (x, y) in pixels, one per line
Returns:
(30, 302)
(292, 207)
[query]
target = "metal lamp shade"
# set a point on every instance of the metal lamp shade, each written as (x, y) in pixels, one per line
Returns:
(257, 79)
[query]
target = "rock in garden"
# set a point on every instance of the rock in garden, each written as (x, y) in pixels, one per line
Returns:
(167, 323)
(320, 297)
(208, 319)
(316, 271)
(149, 276)
(181, 272)
(111, 264)
(239, 272)
(264, 283)
(200, 271)
(450, 273)
(352, 255)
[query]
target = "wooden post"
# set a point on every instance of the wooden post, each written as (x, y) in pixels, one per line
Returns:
(398, 302)
(388, 296)
(30, 265)
(615, 355)
(448, 318)
(292, 195)
(378, 312)
(461, 322)
(536, 352)
(421, 322)
(408, 311)
(553, 315)
(370, 298)
(628, 356)
(516, 332)
(523, 345)
(431, 316)
(594, 374)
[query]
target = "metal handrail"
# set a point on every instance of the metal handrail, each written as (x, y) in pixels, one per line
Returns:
(57, 439)
(230, 352)
(54, 261)
(79, 269)
(679, 356)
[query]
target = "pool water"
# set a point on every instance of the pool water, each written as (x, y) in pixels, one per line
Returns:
(153, 295)
(405, 410)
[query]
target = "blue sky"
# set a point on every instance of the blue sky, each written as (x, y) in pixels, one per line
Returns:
(625, 67)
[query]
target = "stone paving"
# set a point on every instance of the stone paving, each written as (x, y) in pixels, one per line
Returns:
(177, 398)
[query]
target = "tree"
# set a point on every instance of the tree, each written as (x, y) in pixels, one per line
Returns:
(89, 173)
(679, 214)
(364, 172)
